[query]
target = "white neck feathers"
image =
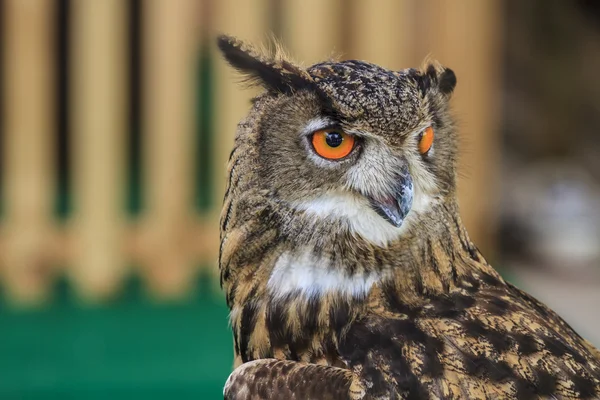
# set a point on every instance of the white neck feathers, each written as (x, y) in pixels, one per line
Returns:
(306, 276)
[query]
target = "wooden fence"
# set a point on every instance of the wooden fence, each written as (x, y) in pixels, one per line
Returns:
(118, 117)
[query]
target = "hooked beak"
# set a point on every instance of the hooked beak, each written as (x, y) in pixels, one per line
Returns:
(394, 207)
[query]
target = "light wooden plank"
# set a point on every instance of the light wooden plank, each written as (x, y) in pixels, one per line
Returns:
(170, 56)
(385, 33)
(465, 36)
(312, 29)
(99, 134)
(28, 159)
(60, 248)
(197, 242)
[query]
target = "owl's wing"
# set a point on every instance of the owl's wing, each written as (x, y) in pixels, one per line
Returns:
(497, 343)
(553, 317)
(270, 379)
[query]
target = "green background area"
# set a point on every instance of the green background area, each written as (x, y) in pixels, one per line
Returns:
(132, 348)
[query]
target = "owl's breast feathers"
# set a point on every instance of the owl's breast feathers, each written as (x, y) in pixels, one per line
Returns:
(486, 339)
(443, 326)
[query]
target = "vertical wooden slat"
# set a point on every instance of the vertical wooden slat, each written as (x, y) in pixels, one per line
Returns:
(247, 20)
(28, 125)
(170, 54)
(465, 37)
(384, 33)
(62, 201)
(98, 131)
(312, 29)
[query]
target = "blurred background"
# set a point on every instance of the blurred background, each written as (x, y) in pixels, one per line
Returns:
(117, 118)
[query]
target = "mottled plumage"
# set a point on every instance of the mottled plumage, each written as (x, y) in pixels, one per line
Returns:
(331, 300)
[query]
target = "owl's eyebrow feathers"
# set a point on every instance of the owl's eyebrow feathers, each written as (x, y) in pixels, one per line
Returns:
(323, 122)
(318, 123)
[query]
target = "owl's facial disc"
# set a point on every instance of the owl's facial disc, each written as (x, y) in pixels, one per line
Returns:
(395, 207)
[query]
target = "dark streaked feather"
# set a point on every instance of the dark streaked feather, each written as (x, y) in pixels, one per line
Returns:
(278, 75)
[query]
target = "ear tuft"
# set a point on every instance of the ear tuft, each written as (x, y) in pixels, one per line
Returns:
(434, 75)
(274, 73)
(447, 81)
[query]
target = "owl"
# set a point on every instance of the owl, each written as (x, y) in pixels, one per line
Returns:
(346, 267)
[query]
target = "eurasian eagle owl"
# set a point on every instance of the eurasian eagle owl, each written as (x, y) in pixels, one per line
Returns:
(346, 267)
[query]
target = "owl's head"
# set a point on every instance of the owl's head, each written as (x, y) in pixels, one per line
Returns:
(351, 139)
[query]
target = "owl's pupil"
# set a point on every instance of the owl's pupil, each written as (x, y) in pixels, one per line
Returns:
(334, 139)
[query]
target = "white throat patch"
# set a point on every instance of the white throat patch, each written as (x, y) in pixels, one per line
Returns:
(312, 278)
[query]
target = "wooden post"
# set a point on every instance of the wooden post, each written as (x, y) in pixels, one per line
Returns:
(465, 36)
(312, 29)
(384, 34)
(170, 55)
(99, 126)
(29, 168)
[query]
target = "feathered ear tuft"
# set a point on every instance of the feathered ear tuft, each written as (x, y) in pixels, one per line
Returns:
(274, 73)
(433, 74)
(447, 81)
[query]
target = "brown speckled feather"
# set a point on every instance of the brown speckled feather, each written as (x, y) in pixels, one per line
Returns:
(420, 316)
(281, 379)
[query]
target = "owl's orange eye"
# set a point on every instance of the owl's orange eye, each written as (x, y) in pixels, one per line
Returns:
(332, 144)
(426, 140)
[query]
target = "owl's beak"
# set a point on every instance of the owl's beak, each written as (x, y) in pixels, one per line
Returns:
(395, 207)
